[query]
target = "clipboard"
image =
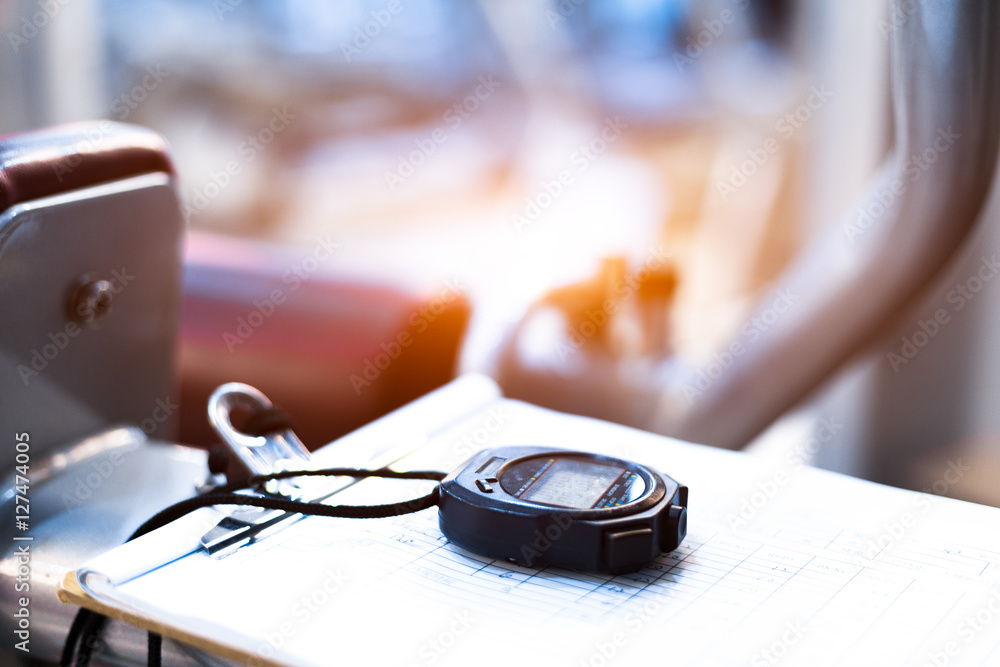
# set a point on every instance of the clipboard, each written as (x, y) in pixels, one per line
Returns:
(782, 561)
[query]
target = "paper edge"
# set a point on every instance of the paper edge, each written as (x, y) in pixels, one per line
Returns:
(70, 591)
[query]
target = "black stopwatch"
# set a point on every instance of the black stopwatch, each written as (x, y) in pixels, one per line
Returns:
(543, 506)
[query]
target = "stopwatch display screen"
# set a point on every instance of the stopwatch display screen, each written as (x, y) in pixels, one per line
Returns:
(572, 482)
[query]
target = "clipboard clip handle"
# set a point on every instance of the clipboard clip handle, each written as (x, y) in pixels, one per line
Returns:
(261, 454)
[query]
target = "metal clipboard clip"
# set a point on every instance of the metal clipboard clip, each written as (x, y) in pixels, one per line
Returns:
(261, 455)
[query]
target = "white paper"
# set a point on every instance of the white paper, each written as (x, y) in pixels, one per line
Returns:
(783, 564)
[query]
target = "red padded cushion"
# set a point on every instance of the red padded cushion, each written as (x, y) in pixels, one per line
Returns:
(67, 157)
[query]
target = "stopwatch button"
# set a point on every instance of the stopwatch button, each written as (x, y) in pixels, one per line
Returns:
(484, 486)
(627, 546)
(675, 528)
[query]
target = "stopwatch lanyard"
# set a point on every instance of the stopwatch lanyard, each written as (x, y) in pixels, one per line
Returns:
(84, 634)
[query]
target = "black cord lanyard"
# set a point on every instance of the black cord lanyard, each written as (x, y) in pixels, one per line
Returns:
(84, 633)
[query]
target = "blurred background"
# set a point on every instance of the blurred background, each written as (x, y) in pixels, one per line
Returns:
(590, 192)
